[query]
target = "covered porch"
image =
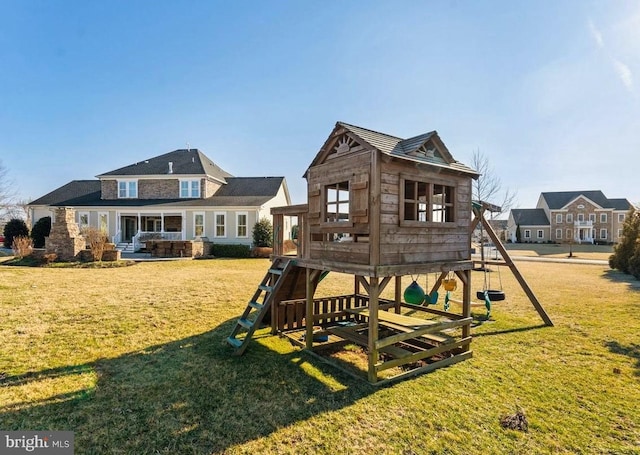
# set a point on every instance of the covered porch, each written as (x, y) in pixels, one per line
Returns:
(583, 232)
(134, 229)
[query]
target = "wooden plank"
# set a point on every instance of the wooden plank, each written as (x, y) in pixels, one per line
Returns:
(400, 319)
(372, 344)
(309, 310)
(374, 232)
(422, 354)
(421, 331)
(427, 368)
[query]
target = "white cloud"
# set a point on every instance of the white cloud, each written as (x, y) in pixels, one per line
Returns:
(622, 70)
(624, 73)
(596, 34)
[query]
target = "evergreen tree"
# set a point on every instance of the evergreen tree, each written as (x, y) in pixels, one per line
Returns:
(263, 233)
(14, 228)
(626, 248)
(40, 230)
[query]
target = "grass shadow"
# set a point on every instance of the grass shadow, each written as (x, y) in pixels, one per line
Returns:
(621, 277)
(187, 396)
(514, 330)
(632, 350)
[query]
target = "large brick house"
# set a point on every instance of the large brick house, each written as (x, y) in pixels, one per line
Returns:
(180, 195)
(562, 216)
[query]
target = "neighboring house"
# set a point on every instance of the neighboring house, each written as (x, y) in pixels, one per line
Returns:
(181, 195)
(577, 216)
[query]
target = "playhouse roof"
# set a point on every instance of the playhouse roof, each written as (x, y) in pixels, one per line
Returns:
(412, 149)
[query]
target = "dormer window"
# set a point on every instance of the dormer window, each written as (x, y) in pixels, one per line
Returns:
(127, 189)
(189, 188)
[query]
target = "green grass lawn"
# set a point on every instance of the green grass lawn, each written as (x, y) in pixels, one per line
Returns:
(133, 360)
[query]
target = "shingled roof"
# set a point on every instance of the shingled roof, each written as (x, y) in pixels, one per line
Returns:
(404, 148)
(238, 192)
(559, 199)
(184, 162)
(530, 217)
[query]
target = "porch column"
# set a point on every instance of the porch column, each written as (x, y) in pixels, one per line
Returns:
(162, 222)
(184, 225)
(139, 222)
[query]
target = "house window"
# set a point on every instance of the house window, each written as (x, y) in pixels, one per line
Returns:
(580, 217)
(428, 202)
(127, 189)
(527, 233)
(559, 234)
(569, 217)
(83, 220)
(241, 224)
(592, 217)
(558, 218)
(619, 233)
(220, 228)
(620, 217)
(569, 234)
(337, 202)
(603, 234)
(189, 188)
(103, 222)
(540, 234)
(198, 224)
(603, 217)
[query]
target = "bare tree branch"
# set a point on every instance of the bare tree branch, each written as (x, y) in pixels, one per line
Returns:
(488, 187)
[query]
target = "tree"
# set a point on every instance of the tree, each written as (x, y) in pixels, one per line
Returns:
(7, 192)
(263, 233)
(40, 230)
(14, 228)
(488, 187)
(626, 248)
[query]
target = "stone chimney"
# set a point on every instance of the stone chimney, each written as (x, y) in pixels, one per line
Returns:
(65, 239)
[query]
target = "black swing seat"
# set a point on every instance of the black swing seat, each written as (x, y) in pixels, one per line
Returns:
(494, 295)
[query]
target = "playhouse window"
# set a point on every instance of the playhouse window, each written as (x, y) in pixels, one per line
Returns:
(337, 202)
(428, 202)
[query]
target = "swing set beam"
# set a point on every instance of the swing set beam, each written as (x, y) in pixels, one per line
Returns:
(478, 211)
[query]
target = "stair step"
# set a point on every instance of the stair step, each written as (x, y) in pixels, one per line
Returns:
(247, 324)
(264, 288)
(256, 305)
(275, 271)
(234, 342)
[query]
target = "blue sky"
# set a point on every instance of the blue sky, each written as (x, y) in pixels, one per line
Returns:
(549, 91)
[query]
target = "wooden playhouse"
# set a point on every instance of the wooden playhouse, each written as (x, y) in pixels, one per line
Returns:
(379, 208)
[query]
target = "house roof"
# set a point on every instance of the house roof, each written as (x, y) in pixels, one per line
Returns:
(530, 217)
(69, 194)
(238, 192)
(184, 162)
(403, 148)
(559, 199)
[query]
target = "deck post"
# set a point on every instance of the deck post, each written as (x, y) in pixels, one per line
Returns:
(466, 304)
(398, 296)
(309, 310)
(373, 327)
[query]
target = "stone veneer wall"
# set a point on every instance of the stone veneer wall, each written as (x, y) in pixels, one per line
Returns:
(109, 189)
(65, 239)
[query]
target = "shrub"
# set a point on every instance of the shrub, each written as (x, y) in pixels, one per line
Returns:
(22, 246)
(230, 250)
(14, 228)
(40, 230)
(634, 261)
(263, 233)
(96, 241)
(625, 250)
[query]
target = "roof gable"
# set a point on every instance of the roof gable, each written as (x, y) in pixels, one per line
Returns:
(426, 148)
(178, 162)
(559, 200)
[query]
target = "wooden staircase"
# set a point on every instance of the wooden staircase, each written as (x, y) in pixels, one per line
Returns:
(259, 305)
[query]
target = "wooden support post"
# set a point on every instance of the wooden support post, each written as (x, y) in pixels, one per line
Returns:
(466, 304)
(398, 297)
(479, 217)
(309, 310)
(438, 282)
(373, 328)
(356, 284)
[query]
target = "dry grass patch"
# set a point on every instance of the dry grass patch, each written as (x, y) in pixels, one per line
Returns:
(133, 360)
